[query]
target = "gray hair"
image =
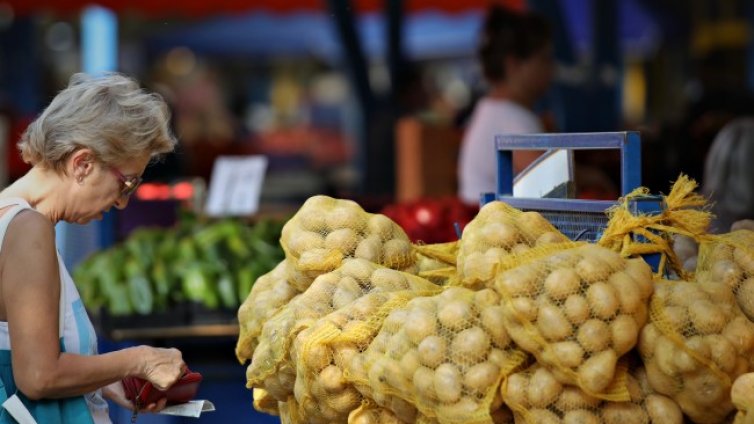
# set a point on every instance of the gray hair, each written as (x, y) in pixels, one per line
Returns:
(109, 114)
(729, 173)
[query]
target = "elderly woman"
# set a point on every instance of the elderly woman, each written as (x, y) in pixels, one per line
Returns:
(87, 151)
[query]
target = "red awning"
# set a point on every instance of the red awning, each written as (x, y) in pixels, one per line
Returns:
(209, 7)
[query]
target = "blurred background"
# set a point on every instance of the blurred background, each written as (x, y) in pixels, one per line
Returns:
(364, 99)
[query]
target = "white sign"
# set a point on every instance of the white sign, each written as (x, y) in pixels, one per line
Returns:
(236, 185)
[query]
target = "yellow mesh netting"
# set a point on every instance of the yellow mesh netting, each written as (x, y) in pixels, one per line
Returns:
(332, 291)
(498, 231)
(325, 231)
(270, 292)
(325, 351)
(263, 402)
(684, 214)
(696, 343)
(578, 310)
(445, 355)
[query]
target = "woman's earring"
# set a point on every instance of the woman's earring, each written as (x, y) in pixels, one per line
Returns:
(80, 179)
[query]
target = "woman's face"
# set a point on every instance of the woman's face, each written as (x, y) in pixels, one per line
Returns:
(534, 74)
(106, 186)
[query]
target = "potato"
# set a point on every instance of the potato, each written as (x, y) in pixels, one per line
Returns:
(481, 377)
(592, 269)
(469, 346)
(514, 391)
(665, 353)
(426, 303)
(603, 300)
(568, 354)
(745, 297)
(543, 416)
(397, 253)
(478, 267)
(344, 297)
(520, 248)
(561, 283)
(594, 335)
(403, 410)
(499, 234)
(623, 413)
(321, 260)
(723, 352)
(677, 317)
(576, 309)
(300, 242)
(740, 332)
(448, 383)
(497, 357)
(398, 346)
(381, 226)
(419, 325)
(744, 258)
(455, 314)
(460, 410)
(580, 416)
(705, 388)
(432, 351)
(642, 276)
(318, 357)
(552, 324)
(493, 323)
(684, 361)
(523, 338)
(525, 309)
(370, 249)
(346, 215)
(485, 298)
(345, 401)
(388, 279)
(727, 272)
(661, 382)
(573, 398)
(495, 254)
(629, 294)
(519, 281)
(596, 373)
(706, 317)
(543, 389)
(624, 332)
(424, 383)
(364, 307)
(344, 239)
(662, 410)
(533, 224)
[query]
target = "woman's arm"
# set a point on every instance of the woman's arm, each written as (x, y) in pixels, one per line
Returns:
(30, 293)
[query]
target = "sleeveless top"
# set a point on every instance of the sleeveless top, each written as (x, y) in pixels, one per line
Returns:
(77, 336)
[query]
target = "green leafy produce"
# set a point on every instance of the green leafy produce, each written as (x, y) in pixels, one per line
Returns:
(213, 263)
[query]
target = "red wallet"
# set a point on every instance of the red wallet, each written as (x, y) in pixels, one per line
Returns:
(142, 393)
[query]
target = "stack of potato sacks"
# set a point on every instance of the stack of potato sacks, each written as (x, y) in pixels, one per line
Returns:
(525, 326)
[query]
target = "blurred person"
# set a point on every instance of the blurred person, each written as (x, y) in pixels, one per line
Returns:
(516, 55)
(88, 150)
(729, 175)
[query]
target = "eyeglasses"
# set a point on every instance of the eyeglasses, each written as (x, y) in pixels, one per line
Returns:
(129, 183)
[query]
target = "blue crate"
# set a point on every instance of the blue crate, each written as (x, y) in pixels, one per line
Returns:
(577, 219)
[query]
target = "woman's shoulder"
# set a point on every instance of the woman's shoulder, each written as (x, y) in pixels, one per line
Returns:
(29, 225)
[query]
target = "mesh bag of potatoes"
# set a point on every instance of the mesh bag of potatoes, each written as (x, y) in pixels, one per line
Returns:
(729, 259)
(444, 355)
(537, 397)
(437, 262)
(329, 292)
(497, 231)
(577, 310)
(695, 344)
(325, 231)
(270, 292)
(325, 352)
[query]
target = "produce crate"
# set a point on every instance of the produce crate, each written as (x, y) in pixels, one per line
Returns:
(577, 219)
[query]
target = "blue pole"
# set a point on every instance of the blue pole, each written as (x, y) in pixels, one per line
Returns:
(99, 51)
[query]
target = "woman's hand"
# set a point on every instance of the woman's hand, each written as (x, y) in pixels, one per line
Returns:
(117, 394)
(162, 367)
